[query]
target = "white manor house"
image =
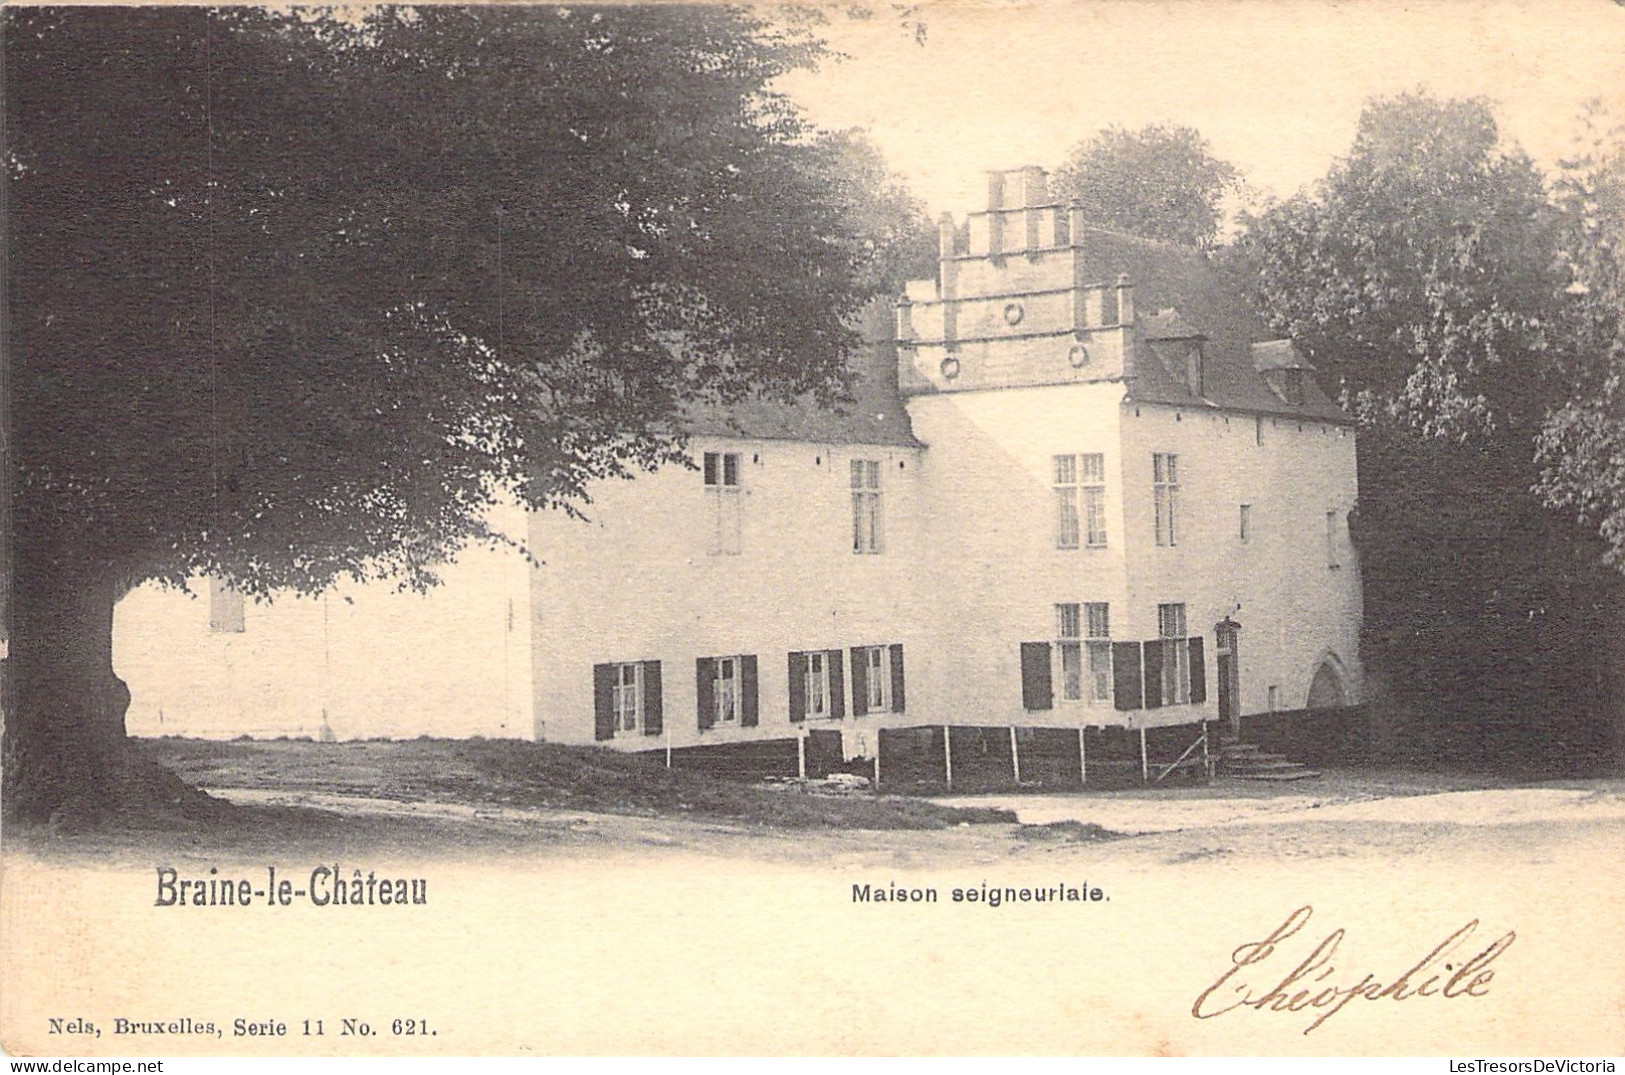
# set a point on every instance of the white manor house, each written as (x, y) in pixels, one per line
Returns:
(1082, 495)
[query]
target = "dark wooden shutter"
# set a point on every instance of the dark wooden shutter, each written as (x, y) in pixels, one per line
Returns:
(1126, 675)
(603, 700)
(1153, 674)
(654, 715)
(1037, 690)
(860, 681)
(1198, 672)
(897, 677)
(798, 687)
(835, 661)
(705, 697)
(749, 710)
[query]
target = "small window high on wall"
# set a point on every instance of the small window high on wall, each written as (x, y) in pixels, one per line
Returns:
(225, 608)
(1165, 496)
(866, 505)
(722, 492)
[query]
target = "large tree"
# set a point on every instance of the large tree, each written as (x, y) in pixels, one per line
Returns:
(896, 240)
(1419, 276)
(1160, 182)
(293, 297)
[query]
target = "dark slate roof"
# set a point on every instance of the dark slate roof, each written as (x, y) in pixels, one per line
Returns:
(1177, 295)
(1167, 325)
(1278, 355)
(876, 415)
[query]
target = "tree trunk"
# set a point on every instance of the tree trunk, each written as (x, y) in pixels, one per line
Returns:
(66, 756)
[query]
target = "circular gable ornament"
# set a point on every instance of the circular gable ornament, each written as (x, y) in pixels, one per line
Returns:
(1013, 313)
(1077, 356)
(950, 367)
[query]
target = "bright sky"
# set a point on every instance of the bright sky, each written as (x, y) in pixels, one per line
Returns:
(1275, 85)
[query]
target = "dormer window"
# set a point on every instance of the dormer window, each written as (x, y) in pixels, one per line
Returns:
(1288, 384)
(1178, 346)
(1283, 369)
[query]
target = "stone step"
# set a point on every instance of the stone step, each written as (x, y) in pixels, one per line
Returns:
(1298, 772)
(1249, 761)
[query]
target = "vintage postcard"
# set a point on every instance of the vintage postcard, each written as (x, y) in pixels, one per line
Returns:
(973, 527)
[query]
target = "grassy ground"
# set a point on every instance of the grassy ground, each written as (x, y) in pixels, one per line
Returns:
(478, 772)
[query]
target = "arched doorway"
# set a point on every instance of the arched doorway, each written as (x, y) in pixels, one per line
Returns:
(1326, 689)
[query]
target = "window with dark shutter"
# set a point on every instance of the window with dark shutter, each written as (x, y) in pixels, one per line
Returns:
(705, 691)
(653, 704)
(749, 711)
(603, 700)
(860, 681)
(897, 677)
(1126, 684)
(1198, 672)
(837, 683)
(1037, 692)
(1153, 674)
(798, 687)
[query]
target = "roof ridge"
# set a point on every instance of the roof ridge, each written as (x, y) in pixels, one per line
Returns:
(1195, 252)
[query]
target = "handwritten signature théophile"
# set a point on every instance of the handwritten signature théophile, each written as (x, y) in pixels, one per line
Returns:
(1441, 973)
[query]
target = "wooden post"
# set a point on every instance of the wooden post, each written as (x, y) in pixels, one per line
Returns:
(801, 755)
(1083, 761)
(877, 759)
(668, 744)
(1207, 762)
(1145, 766)
(948, 755)
(1015, 756)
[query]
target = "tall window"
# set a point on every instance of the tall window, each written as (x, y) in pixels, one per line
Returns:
(1070, 645)
(1165, 492)
(865, 505)
(1098, 630)
(1176, 667)
(1080, 501)
(1246, 523)
(1085, 647)
(1331, 539)
(876, 680)
(626, 697)
(722, 497)
(725, 690)
(816, 684)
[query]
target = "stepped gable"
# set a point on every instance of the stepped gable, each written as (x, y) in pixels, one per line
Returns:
(875, 416)
(1178, 296)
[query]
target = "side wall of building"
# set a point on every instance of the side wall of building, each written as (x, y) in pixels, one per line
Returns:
(650, 578)
(1293, 583)
(361, 661)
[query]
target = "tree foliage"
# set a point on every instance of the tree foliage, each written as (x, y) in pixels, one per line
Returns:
(1418, 276)
(1160, 182)
(896, 241)
(1581, 449)
(1421, 279)
(291, 296)
(294, 297)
